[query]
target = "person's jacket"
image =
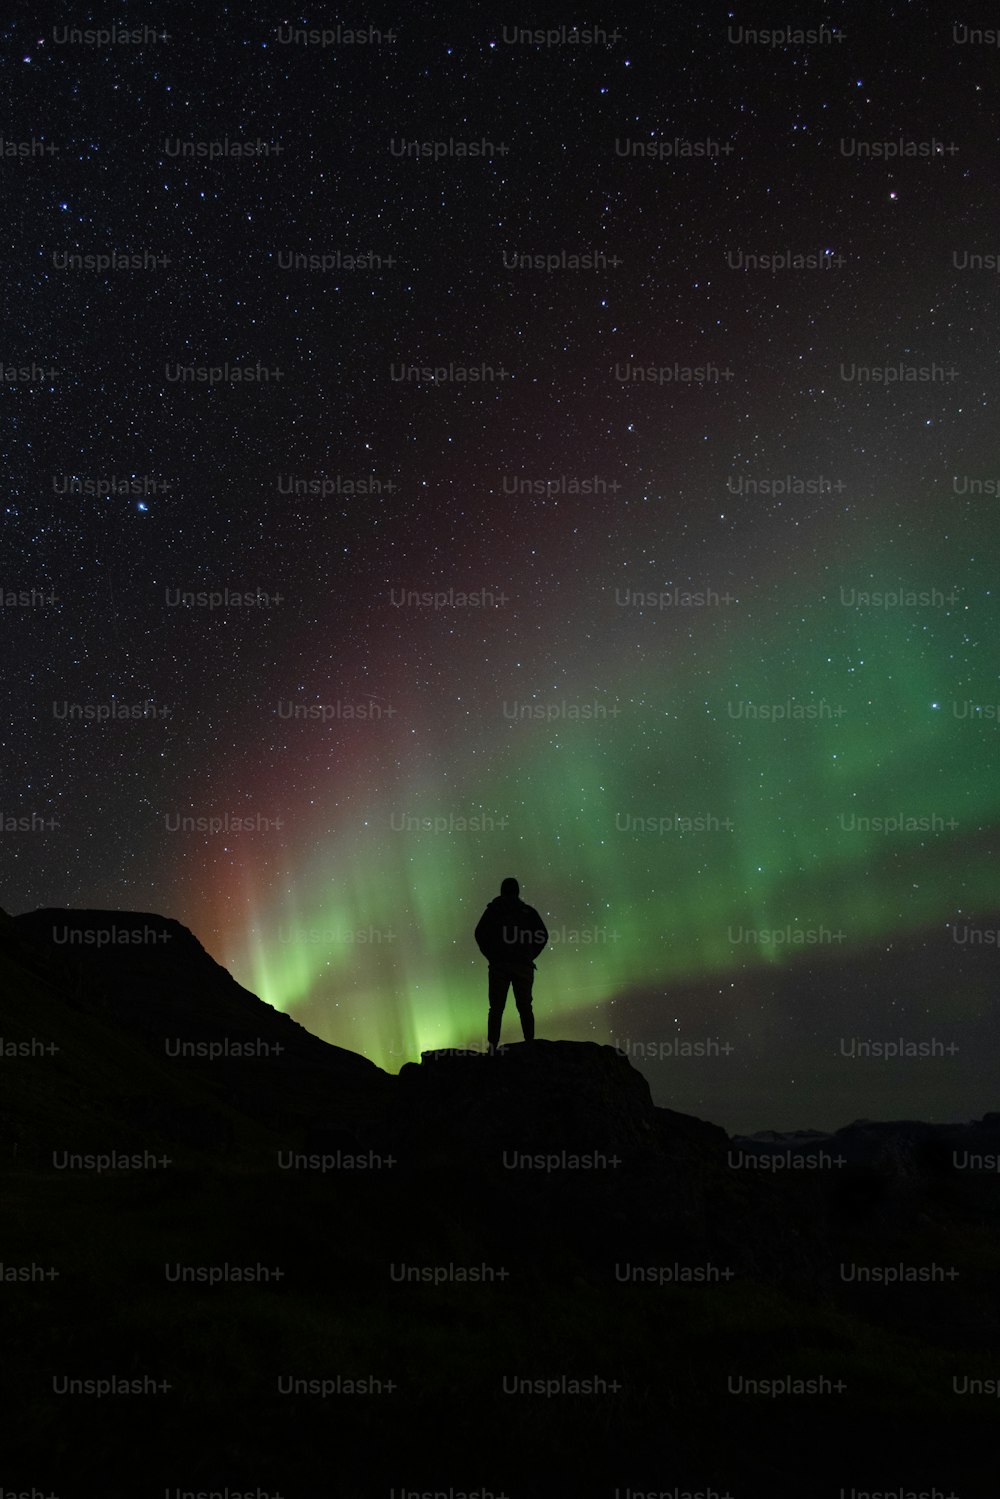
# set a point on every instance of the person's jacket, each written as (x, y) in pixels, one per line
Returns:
(510, 932)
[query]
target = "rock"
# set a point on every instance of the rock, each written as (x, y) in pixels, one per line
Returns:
(543, 1096)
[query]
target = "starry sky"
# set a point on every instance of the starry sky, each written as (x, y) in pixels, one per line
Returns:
(671, 593)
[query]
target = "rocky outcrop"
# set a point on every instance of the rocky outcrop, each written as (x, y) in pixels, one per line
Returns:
(571, 1097)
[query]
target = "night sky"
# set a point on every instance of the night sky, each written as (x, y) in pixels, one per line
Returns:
(674, 588)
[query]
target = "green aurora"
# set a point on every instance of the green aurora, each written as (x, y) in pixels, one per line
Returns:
(371, 943)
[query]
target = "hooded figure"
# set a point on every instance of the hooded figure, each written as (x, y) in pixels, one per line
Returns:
(510, 935)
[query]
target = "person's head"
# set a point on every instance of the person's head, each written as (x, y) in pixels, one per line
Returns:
(509, 889)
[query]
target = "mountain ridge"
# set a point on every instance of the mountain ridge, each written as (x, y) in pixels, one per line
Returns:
(632, 1238)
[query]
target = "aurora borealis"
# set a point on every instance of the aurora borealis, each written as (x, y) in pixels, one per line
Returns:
(634, 641)
(625, 820)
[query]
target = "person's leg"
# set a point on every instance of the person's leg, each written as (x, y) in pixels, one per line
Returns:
(522, 998)
(499, 984)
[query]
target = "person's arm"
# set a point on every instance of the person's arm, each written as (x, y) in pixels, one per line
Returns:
(541, 936)
(483, 934)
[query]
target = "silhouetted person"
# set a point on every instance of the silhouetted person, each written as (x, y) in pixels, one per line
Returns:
(510, 936)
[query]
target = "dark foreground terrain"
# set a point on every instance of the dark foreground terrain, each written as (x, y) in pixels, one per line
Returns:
(298, 1275)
